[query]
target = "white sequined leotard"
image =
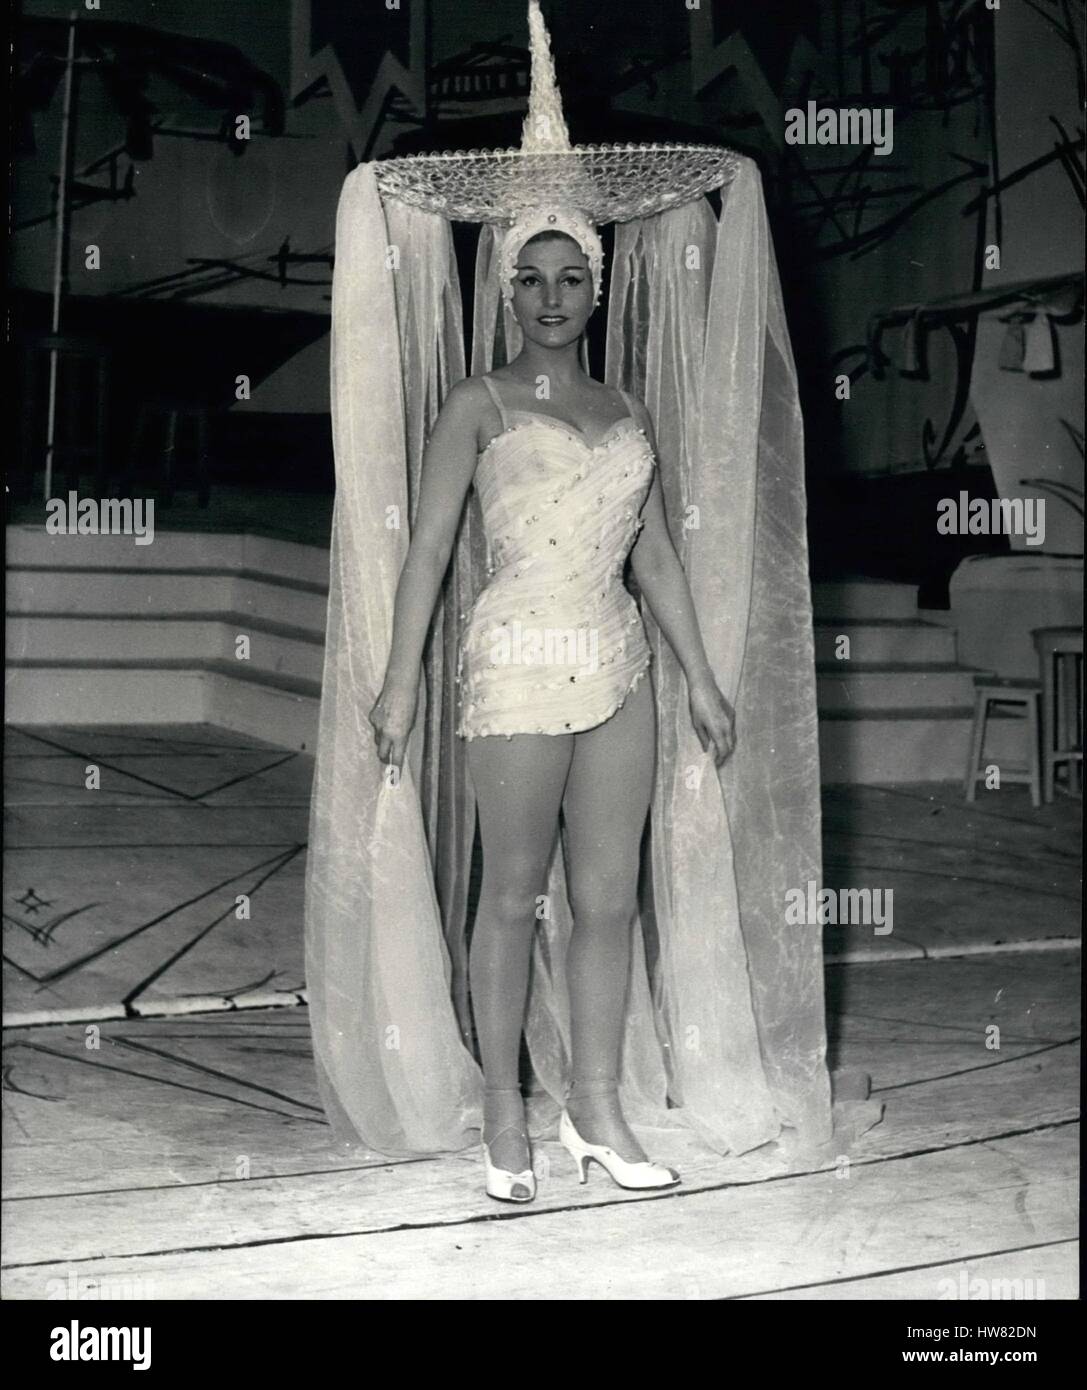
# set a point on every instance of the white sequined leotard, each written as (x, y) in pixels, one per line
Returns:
(554, 643)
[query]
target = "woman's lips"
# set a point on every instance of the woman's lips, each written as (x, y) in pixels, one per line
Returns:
(551, 320)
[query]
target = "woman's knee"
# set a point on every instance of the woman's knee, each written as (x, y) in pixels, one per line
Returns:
(513, 893)
(604, 905)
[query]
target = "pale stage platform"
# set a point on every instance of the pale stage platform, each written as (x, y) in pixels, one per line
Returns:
(164, 1137)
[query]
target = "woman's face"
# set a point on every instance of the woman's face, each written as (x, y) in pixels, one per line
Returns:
(552, 290)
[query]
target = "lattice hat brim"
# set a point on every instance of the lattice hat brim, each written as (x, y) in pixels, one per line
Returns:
(606, 183)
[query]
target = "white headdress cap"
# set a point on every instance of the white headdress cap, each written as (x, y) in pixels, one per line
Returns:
(550, 218)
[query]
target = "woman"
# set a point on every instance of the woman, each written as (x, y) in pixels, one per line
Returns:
(724, 1040)
(575, 487)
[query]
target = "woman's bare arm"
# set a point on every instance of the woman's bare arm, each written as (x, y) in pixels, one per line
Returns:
(449, 463)
(662, 581)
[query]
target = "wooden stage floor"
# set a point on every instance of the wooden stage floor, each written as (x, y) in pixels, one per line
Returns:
(183, 1153)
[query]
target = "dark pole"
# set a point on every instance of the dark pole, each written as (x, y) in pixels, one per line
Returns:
(60, 264)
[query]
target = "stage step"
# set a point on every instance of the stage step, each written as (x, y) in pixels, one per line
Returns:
(895, 705)
(140, 593)
(103, 631)
(864, 598)
(896, 745)
(119, 639)
(874, 641)
(920, 686)
(278, 708)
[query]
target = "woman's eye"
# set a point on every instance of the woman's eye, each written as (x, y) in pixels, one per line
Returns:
(528, 281)
(573, 280)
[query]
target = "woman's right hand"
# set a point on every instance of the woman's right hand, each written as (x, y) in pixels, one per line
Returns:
(449, 464)
(392, 718)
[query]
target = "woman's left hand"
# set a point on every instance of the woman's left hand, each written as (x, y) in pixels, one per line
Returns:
(713, 718)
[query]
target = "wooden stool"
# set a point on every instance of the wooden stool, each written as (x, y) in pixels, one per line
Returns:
(82, 403)
(1006, 691)
(1060, 657)
(168, 417)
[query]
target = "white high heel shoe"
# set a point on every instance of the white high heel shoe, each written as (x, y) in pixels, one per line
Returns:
(500, 1182)
(638, 1176)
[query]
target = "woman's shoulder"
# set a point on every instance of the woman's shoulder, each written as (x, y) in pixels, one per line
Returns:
(479, 387)
(636, 406)
(469, 396)
(614, 395)
(469, 410)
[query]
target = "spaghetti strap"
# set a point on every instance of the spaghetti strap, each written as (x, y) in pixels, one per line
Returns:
(492, 391)
(628, 401)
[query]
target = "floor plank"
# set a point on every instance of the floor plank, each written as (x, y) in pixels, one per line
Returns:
(78, 1167)
(721, 1244)
(1053, 1273)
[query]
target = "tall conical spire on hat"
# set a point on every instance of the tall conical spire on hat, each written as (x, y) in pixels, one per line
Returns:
(606, 183)
(534, 206)
(544, 130)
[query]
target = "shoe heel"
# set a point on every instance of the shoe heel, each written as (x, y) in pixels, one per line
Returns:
(573, 1143)
(639, 1176)
(582, 1163)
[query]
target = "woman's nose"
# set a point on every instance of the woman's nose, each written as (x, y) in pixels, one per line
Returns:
(552, 294)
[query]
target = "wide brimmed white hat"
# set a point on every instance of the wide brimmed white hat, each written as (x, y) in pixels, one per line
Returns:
(606, 183)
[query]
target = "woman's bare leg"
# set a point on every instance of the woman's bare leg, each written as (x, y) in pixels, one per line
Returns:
(519, 784)
(605, 805)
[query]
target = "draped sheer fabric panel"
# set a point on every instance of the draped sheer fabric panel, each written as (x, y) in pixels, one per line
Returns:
(431, 343)
(749, 573)
(772, 788)
(696, 328)
(393, 1071)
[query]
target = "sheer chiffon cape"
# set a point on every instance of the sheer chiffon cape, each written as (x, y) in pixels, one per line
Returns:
(725, 1031)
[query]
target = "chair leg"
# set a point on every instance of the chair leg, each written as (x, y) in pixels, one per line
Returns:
(1051, 720)
(1077, 707)
(977, 745)
(1072, 699)
(1033, 746)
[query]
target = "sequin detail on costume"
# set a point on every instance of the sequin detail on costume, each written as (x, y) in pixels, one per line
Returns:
(554, 643)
